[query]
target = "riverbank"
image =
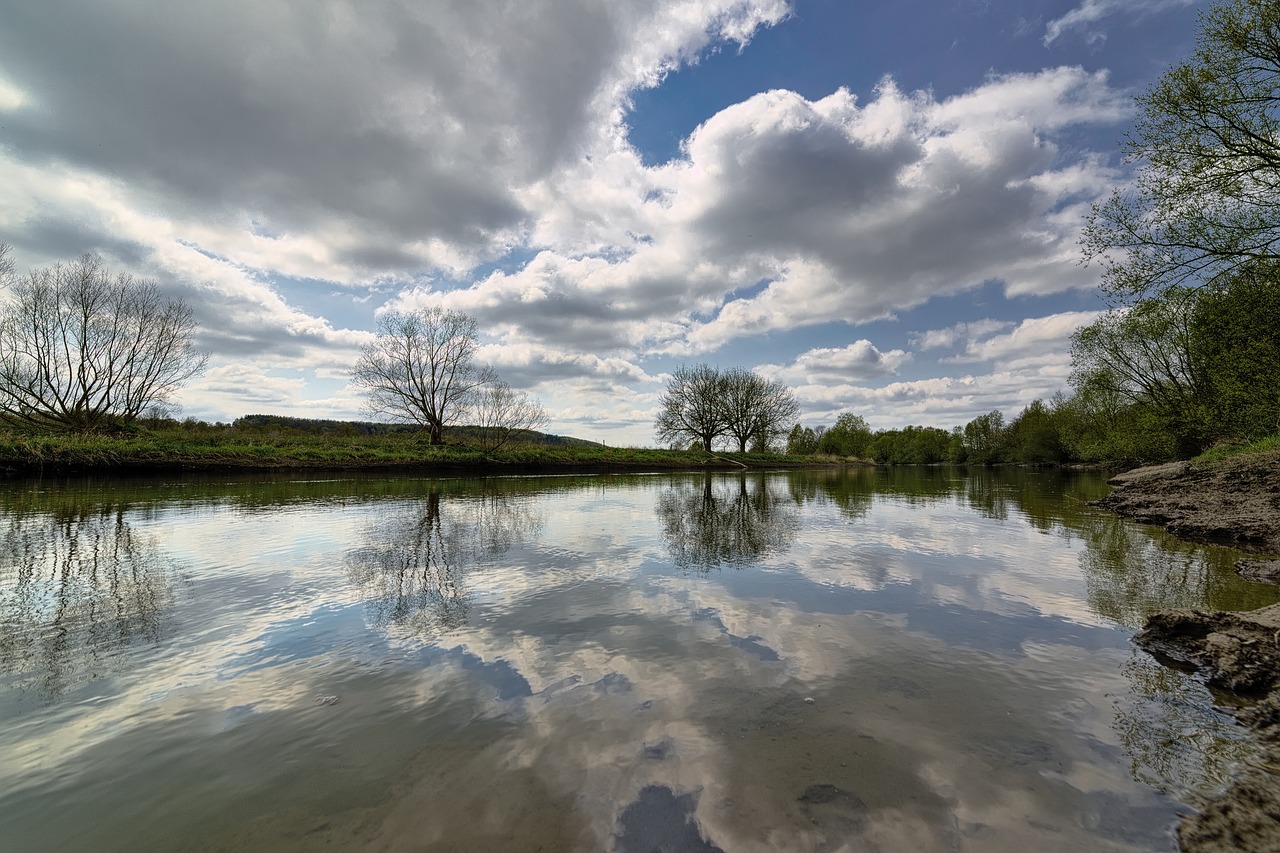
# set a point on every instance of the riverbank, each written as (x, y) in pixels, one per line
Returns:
(1233, 501)
(228, 449)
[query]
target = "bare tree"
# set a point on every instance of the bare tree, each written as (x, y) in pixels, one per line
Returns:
(691, 407)
(421, 369)
(502, 413)
(755, 409)
(82, 349)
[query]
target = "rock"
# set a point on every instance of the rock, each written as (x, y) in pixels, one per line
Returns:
(1239, 653)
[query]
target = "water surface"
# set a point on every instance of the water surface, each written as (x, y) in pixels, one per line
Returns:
(917, 659)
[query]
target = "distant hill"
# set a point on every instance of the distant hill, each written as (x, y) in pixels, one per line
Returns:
(316, 426)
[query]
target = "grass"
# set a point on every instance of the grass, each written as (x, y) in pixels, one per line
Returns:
(1225, 451)
(236, 448)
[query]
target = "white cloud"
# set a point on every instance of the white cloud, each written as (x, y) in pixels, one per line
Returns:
(859, 360)
(960, 332)
(1092, 11)
(1031, 342)
(784, 212)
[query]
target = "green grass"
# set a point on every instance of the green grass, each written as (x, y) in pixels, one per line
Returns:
(232, 448)
(1225, 451)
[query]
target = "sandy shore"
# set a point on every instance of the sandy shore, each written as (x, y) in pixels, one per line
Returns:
(1232, 502)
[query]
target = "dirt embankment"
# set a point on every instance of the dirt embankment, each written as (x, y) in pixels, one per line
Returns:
(1233, 502)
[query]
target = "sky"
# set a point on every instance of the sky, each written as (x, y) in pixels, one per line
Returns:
(876, 203)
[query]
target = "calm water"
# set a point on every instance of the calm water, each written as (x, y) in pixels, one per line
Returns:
(913, 660)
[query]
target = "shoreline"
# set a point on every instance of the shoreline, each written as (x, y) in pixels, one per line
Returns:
(1233, 502)
(240, 451)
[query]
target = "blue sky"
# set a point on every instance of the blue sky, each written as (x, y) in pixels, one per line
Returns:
(877, 203)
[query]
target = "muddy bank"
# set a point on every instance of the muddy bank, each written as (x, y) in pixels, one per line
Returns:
(1232, 502)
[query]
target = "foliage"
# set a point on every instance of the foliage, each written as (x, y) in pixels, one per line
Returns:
(1207, 147)
(983, 441)
(803, 440)
(1194, 365)
(1034, 436)
(1234, 343)
(1190, 355)
(850, 436)
(82, 349)
(912, 445)
(421, 369)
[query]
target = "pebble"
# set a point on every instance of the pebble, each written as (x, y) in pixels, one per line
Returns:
(808, 700)
(326, 700)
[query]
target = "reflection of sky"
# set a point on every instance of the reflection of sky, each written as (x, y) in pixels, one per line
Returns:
(959, 675)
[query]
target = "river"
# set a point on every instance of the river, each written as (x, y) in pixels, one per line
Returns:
(895, 660)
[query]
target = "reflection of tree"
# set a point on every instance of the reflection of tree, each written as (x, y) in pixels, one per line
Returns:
(1130, 571)
(726, 521)
(77, 585)
(851, 489)
(1175, 739)
(413, 568)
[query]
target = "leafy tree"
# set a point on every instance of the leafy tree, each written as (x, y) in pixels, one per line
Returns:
(912, 445)
(421, 369)
(984, 438)
(83, 349)
(851, 436)
(801, 441)
(691, 408)
(1207, 148)
(1234, 343)
(1142, 354)
(1096, 423)
(1033, 436)
(957, 453)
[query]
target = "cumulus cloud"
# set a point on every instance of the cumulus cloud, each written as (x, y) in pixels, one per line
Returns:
(784, 212)
(859, 360)
(1032, 343)
(476, 156)
(960, 332)
(223, 146)
(1091, 11)
(1025, 360)
(396, 132)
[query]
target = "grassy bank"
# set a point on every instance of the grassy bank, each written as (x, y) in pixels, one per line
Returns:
(229, 448)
